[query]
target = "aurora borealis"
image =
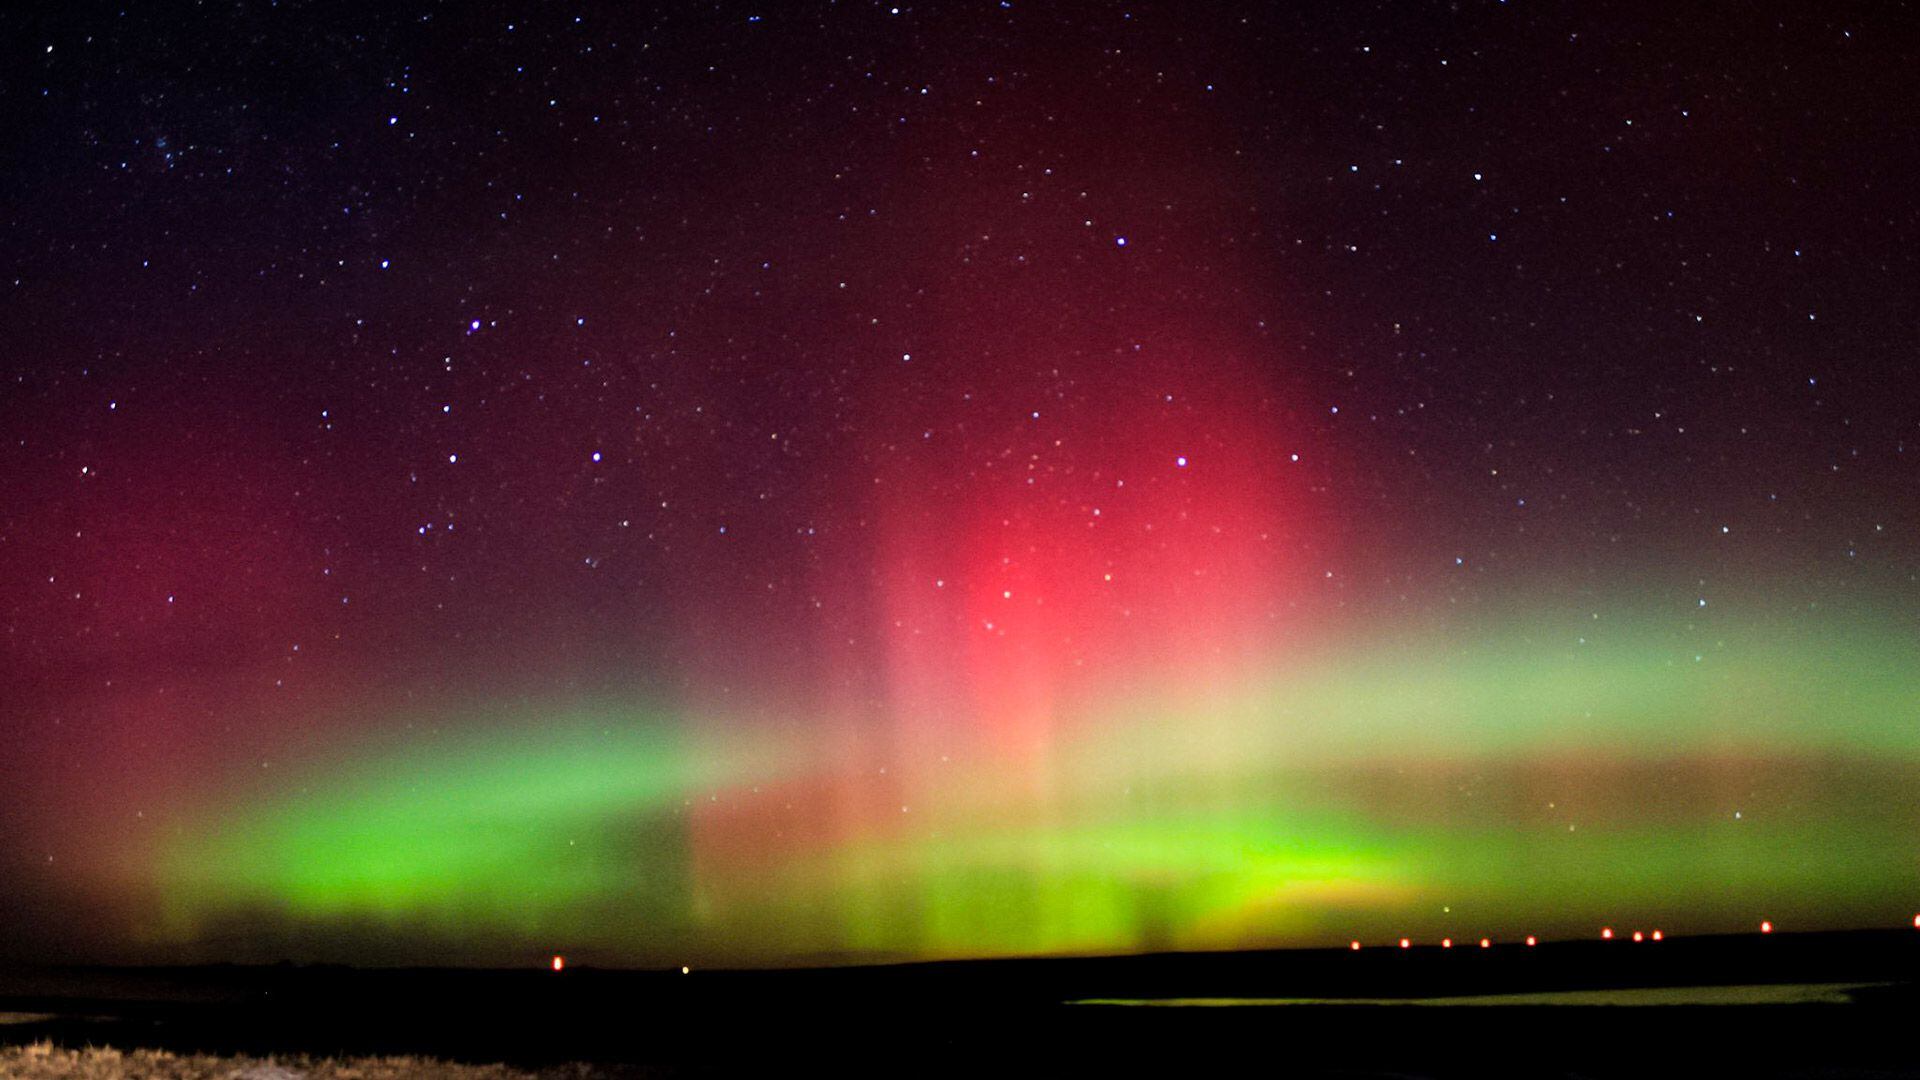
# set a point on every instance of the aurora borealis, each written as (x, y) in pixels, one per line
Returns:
(1275, 813)
(831, 482)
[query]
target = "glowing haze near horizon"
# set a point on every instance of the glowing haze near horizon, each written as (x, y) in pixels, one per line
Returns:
(842, 482)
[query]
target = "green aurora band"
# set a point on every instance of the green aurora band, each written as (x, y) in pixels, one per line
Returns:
(1528, 782)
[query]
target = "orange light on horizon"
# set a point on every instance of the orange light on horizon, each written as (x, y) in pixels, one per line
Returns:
(1406, 944)
(1766, 927)
(1446, 943)
(1354, 945)
(559, 963)
(1486, 943)
(1657, 935)
(1638, 936)
(1606, 933)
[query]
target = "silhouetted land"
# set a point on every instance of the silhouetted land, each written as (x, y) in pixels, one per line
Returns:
(1007, 1014)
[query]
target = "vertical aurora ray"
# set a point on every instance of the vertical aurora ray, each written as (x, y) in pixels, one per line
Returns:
(1082, 681)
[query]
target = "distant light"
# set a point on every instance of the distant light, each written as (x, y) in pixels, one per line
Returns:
(1446, 943)
(596, 455)
(1657, 935)
(1638, 936)
(1120, 241)
(685, 970)
(1405, 944)
(1606, 933)
(559, 963)
(1916, 918)
(1485, 943)
(1532, 941)
(1181, 461)
(1355, 946)
(1766, 927)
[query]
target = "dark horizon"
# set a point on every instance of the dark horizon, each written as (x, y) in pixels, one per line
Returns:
(1822, 1000)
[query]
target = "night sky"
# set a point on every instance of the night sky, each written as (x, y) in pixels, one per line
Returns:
(764, 484)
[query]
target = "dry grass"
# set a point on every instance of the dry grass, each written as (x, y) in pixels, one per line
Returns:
(45, 1061)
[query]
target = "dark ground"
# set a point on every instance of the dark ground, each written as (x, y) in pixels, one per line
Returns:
(1020, 1016)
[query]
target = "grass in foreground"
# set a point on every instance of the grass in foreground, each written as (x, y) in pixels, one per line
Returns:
(45, 1061)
